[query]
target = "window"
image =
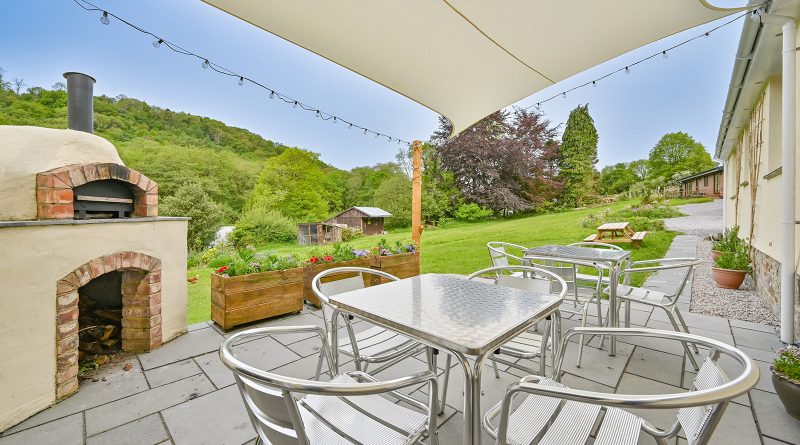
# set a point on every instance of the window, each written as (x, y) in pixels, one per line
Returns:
(705, 181)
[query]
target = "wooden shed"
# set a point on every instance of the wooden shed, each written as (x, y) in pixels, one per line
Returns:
(368, 219)
(318, 233)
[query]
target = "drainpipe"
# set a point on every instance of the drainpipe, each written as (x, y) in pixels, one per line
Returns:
(724, 194)
(788, 122)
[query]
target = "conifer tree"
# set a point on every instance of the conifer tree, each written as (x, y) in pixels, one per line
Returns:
(578, 157)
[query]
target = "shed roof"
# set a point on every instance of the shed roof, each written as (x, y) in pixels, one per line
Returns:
(373, 212)
(466, 59)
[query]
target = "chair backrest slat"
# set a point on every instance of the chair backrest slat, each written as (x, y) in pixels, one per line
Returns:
(342, 286)
(268, 410)
(531, 284)
(693, 420)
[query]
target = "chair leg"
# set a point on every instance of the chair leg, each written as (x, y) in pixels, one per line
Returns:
(543, 352)
(364, 367)
(627, 313)
(583, 324)
(685, 346)
(319, 365)
(444, 385)
(685, 326)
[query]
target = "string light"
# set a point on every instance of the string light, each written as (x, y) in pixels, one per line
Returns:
(207, 64)
(627, 69)
(564, 95)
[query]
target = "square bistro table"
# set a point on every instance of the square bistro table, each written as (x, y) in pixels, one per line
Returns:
(462, 317)
(608, 257)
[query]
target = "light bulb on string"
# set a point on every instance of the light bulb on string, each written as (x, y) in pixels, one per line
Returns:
(104, 19)
(564, 95)
(707, 34)
(376, 135)
(365, 131)
(334, 119)
(241, 80)
(294, 105)
(351, 126)
(594, 83)
(627, 70)
(157, 43)
(205, 64)
(664, 54)
(271, 94)
(318, 114)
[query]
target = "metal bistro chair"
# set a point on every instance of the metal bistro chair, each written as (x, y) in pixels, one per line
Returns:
(353, 408)
(498, 252)
(580, 303)
(373, 345)
(583, 277)
(551, 413)
(528, 345)
(667, 301)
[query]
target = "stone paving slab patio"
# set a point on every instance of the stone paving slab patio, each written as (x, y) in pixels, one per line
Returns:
(182, 394)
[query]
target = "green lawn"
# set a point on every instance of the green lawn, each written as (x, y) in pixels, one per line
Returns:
(682, 201)
(460, 247)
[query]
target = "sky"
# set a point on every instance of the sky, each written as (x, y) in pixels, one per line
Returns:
(40, 40)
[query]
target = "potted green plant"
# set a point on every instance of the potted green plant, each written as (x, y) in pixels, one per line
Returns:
(786, 379)
(247, 287)
(732, 266)
(726, 242)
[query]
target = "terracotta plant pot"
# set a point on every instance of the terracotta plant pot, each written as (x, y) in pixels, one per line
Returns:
(715, 254)
(728, 278)
(789, 393)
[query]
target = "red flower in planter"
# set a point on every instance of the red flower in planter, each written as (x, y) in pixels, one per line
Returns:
(313, 259)
(222, 269)
(328, 258)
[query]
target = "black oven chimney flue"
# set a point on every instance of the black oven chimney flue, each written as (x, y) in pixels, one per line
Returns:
(80, 105)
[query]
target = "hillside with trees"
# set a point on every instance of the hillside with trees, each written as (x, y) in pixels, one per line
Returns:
(509, 163)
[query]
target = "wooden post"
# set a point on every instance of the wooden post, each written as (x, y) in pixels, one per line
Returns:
(416, 192)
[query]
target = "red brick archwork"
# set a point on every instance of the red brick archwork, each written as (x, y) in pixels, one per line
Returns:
(54, 196)
(141, 310)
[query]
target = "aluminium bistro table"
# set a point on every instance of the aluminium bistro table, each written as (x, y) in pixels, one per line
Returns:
(460, 316)
(607, 257)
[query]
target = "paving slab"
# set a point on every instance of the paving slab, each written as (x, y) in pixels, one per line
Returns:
(188, 345)
(656, 365)
(145, 431)
(218, 418)
(752, 326)
(755, 339)
(172, 372)
(122, 411)
(633, 384)
(694, 320)
(737, 426)
(66, 431)
(264, 353)
(773, 419)
(118, 384)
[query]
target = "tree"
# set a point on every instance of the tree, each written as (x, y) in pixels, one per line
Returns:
(578, 156)
(617, 178)
(640, 168)
(4, 84)
(500, 161)
(19, 84)
(676, 152)
(206, 215)
(292, 183)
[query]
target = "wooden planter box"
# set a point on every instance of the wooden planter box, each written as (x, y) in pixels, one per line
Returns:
(311, 270)
(245, 298)
(403, 265)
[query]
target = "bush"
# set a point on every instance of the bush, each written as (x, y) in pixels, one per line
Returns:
(247, 261)
(207, 215)
(736, 256)
(729, 241)
(472, 212)
(259, 226)
(351, 233)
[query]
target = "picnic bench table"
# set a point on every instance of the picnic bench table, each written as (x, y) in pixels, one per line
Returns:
(617, 232)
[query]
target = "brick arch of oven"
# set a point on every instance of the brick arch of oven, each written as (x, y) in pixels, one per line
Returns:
(55, 198)
(141, 310)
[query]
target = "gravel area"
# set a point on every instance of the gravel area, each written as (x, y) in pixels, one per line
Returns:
(742, 304)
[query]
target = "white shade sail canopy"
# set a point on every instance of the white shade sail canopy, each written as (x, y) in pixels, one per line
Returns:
(468, 58)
